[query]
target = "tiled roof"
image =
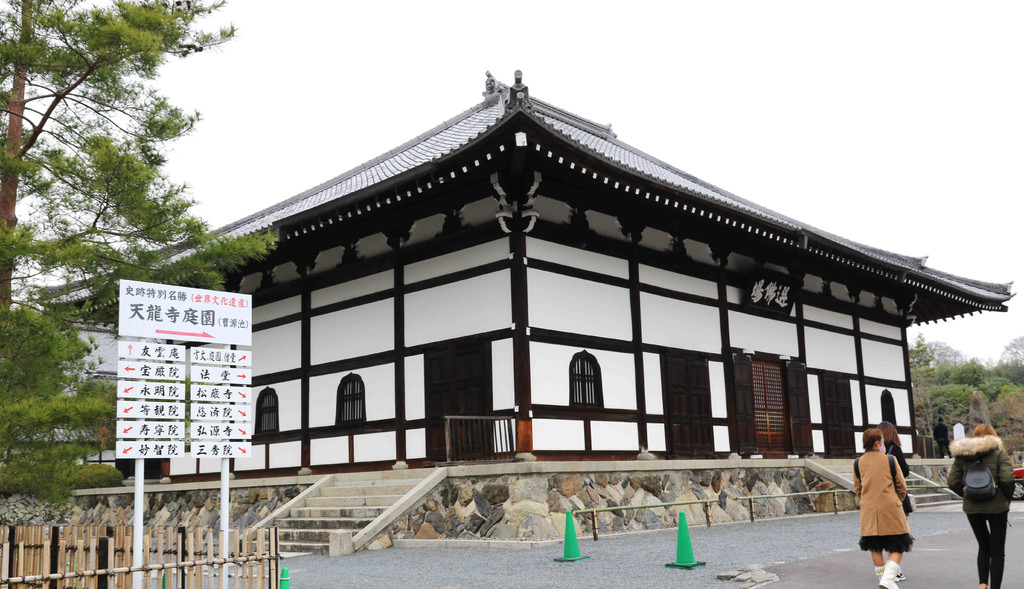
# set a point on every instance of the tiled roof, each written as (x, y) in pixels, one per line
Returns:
(600, 141)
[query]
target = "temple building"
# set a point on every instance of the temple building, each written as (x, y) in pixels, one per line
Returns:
(518, 283)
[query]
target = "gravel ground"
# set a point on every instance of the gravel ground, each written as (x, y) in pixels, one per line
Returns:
(625, 560)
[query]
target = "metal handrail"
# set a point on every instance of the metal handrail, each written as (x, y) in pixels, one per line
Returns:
(593, 511)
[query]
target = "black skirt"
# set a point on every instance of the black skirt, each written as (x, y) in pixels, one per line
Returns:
(893, 543)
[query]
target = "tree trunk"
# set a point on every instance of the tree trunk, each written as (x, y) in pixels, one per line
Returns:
(9, 177)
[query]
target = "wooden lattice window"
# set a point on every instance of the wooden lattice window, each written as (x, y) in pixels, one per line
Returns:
(351, 400)
(769, 406)
(266, 411)
(585, 381)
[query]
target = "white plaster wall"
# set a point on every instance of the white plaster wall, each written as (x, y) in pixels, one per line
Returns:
(502, 375)
(549, 375)
(814, 398)
(716, 378)
(415, 443)
(656, 437)
(374, 447)
(466, 307)
(480, 212)
(907, 442)
(378, 383)
(579, 306)
(653, 386)
(750, 332)
(721, 435)
(827, 317)
(678, 282)
(285, 454)
(289, 404)
(550, 209)
(470, 257)
(187, 465)
(255, 461)
(818, 441)
(276, 349)
(679, 324)
(415, 391)
(605, 225)
(289, 306)
(352, 289)
(900, 401)
(855, 403)
(881, 329)
(613, 435)
(734, 295)
(575, 257)
(830, 351)
(208, 465)
(558, 434)
(328, 450)
(882, 360)
(350, 333)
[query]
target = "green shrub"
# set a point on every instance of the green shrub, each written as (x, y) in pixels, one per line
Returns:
(94, 476)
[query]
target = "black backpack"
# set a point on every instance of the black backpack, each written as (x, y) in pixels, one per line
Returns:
(978, 482)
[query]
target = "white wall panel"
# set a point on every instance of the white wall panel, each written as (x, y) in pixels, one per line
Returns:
(721, 434)
(827, 317)
(679, 324)
(858, 420)
(187, 465)
(383, 281)
(285, 454)
(716, 376)
(289, 404)
(415, 392)
(466, 307)
(289, 306)
(503, 375)
(750, 332)
(883, 360)
(255, 461)
(814, 398)
(276, 349)
(323, 397)
(818, 441)
(579, 306)
(900, 402)
(549, 375)
(374, 447)
(558, 434)
(208, 465)
(613, 435)
(830, 351)
(678, 282)
(734, 295)
(470, 257)
(881, 329)
(653, 386)
(349, 333)
(415, 443)
(328, 450)
(656, 437)
(576, 258)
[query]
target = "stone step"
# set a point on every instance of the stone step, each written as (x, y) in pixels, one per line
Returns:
(353, 501)
(377, 475)
(305, 547)
(335, 512)
(365, 491)
(373, 483)
(310, 536)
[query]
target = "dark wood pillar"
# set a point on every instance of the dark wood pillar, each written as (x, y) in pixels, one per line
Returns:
(397, 236)
(521, 343)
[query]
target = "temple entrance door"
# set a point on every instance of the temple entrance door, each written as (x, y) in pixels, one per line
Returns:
(687, 406)
(837, 409)
(770, 418)
(458, 382)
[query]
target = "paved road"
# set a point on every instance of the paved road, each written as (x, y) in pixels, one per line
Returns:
(812, 551)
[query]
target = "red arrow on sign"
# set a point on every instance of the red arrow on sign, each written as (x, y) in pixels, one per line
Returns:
(127, 429)
(242, 412)
(129, 409)
(242, 450)
(241, 394)
(185, 333)
(129, 369)
(244, 433)
(128, 389)
(129, 349)
(242, 358)
(125, 451)
(241, 376)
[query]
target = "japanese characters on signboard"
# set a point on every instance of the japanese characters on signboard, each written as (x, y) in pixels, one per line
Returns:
(771, 293)
(188, 314)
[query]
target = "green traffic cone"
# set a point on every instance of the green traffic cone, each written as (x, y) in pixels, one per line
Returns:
(684, 552)
(286, 582)
(571, 553)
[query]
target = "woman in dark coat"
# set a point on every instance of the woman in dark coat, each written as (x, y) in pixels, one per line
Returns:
(883, 525)
(987, 518)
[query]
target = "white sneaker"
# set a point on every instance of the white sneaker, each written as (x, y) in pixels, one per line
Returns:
(884, 583)
(900, 577)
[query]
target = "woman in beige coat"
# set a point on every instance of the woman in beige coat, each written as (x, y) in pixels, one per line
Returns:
(883, 525)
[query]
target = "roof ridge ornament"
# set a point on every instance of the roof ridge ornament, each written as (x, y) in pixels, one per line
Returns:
(492, 90)
(519, 94)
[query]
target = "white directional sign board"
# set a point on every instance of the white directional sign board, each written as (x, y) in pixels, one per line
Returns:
(207, 374)
(221, 449)
(185, 314)
(221, 393)
(149, 449)
(141, 389)
(150, 429)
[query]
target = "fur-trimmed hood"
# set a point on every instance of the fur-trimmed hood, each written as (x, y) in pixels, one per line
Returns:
(975, 447)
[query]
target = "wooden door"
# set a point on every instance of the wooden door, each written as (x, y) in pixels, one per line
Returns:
(687, 406)
(458, 382)
(769, 408)
(837, 410)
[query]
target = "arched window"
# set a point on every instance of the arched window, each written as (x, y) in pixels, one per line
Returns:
(266, 411)
(585, 381)
(888, 407)
(351, 400)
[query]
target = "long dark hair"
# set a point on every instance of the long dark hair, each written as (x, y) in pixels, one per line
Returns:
(889, 434)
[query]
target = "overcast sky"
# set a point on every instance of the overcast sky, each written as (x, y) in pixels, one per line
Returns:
(896, 124)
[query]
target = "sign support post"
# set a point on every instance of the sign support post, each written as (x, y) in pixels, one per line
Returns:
(225, 516)
(137, 521)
